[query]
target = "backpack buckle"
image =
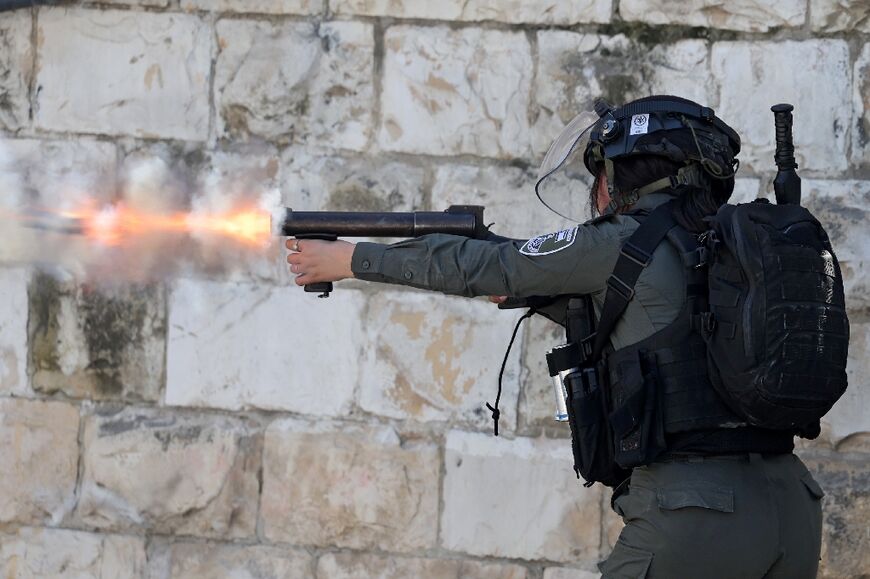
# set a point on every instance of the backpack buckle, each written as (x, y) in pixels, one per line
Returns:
(703, 255)
(633, 253)
(624, 290)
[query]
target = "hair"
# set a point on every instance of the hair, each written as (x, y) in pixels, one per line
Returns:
(693, 203)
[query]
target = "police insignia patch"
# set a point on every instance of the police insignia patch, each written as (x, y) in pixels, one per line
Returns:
(549, 243)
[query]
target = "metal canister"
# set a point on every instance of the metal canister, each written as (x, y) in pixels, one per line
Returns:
(561, 361)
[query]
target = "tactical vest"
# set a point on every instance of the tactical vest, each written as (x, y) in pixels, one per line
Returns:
(656, 390)
(665, 372)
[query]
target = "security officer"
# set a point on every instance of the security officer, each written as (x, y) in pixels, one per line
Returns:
(708, 495)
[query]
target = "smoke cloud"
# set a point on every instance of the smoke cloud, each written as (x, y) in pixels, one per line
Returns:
(149, 221)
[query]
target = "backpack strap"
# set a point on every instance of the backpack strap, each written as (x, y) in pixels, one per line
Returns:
(634, 255)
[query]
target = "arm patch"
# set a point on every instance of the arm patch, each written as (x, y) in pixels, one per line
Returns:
(549, 243)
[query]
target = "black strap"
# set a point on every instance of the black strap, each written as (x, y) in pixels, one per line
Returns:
(496, 413)
(636, 253)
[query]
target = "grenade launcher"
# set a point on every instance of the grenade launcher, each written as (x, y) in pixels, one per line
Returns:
(465, 220)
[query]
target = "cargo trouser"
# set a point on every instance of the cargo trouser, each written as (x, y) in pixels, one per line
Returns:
(744, 516)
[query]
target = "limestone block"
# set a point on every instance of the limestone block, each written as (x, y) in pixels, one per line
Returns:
(682, 69)
(566, 573)
(147, 73)
(812, 75)
(94, 343)
(32, 553)
(305, 7)
(438, 359)
(574, 69)
(295, 81)
(840, 15)
(356, 565)
(149, 3)
(508, 193)
(205, 560)
(517, 499)
(537, 404)
(861, 103)
(38, 462)
(273, 365)
(449, 92)
(316, 181)
(13, 331)
(841, 207)
(16, 62)
(515, 11)
(845, 479)
(167, 472)
(748, 15)
(348, 485)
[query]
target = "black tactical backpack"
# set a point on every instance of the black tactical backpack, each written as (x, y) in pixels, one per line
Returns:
(776, 331)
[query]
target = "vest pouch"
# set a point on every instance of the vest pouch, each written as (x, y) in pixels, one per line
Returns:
(591, 439)
(637, 419)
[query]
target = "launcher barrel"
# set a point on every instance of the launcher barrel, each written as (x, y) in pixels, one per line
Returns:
(465, 220)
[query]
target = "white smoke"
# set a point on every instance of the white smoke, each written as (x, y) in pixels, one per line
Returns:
(146, 184)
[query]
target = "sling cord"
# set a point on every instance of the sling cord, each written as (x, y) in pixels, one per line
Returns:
(496, 413)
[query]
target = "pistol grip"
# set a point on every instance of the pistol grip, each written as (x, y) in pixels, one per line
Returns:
(323, 288)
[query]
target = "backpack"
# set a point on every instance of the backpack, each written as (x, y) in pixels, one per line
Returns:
(777, 333)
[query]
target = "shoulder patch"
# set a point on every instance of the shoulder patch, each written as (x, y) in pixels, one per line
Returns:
(549, 243)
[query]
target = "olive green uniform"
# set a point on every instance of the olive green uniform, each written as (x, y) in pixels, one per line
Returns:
(742, 515)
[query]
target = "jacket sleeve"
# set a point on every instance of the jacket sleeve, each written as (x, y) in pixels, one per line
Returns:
(471, 267)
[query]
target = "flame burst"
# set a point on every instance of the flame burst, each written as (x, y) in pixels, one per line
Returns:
(118, 224)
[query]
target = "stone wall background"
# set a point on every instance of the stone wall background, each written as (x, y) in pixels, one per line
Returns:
(229, 425)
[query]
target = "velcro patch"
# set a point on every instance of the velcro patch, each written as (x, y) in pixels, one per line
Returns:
(549, 243)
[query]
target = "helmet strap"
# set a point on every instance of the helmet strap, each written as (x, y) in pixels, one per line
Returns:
(687, 175)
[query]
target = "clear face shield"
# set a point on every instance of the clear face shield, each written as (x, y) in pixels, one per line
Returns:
(563, 180)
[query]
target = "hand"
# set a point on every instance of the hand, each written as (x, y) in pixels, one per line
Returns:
(498, 299)
(314, 260)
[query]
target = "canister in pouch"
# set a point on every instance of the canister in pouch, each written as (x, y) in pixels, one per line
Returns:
(561, 361)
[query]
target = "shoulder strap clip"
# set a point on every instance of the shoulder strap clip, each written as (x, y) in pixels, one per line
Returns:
(632, 252)
(623, 289)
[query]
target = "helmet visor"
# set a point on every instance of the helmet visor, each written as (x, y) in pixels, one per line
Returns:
(563, 180)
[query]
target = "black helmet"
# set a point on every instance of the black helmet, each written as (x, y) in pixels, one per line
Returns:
(676, 128)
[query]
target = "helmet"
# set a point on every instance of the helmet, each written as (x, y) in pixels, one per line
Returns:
(663, 125)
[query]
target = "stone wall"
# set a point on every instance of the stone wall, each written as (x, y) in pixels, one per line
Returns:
(233, 426)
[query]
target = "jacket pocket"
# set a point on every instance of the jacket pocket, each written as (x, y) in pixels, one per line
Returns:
(715, 498)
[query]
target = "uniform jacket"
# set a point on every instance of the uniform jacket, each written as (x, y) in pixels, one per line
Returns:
(580, 264)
